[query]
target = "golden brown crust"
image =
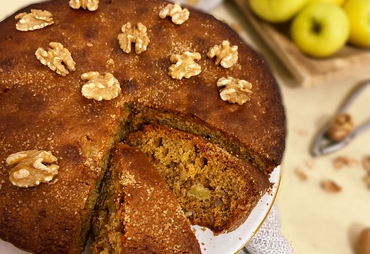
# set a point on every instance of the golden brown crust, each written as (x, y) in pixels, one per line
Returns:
(40, 109)
(147, 81)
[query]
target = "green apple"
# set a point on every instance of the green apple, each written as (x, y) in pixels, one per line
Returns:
(276, 11)
(358, 12)
(337, 2)
(320, 29)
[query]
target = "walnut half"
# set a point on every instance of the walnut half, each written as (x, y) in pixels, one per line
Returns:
(226, 55)
(235, 90)
(184, 65)
(37, 19)
(137, 35)
(31, 168)
(100, 87)
(91, 5)
(177, 14)
(340, 127)
(56, 57)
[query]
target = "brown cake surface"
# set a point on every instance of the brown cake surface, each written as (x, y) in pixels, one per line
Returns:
(42, 110)
(140, 213)
(215, 189)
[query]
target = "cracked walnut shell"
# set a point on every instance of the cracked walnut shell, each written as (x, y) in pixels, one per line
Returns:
(137, 35)
(177, 14)
(37, 19)
(31, 168)
(91, 5)
(226, 55)
(235, 90)
(99, 87)
(184, 65)
(57, 58)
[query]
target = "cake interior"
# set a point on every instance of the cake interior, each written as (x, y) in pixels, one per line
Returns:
(214, 189)
(141, 115)
(107, 219)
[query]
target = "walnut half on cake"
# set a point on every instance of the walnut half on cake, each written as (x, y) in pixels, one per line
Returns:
(71, 86)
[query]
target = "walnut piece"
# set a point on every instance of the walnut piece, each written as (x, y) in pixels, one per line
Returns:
(366, 179)
(366, 163)
(340, 127)
(366, 166)
(99, 87)
(137, 35)
(184, 65)
(363, 244)
(177, 14)
(226, 55)
(235, 91)
(37, 19)
(31, 168)
(91, 5)
(330, 186)
(300, 173)
(54, 58)
(341, 161)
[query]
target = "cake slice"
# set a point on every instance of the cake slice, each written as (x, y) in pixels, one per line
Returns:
(137, 212)
(215, 189)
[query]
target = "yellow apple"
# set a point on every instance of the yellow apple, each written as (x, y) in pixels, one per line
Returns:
(358, 12)
(320, 29)
(337, 2)
(276, 11)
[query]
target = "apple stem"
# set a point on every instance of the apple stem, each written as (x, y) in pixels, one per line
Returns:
(316, 27)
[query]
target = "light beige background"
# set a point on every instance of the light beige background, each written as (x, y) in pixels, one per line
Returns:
(314, 221)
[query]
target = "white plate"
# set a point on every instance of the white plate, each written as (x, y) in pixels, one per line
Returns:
(234, 241)
(225, 243)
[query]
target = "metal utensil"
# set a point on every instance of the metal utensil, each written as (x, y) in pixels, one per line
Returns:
(322, 145)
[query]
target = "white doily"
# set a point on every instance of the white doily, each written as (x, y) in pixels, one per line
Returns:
(268, 239)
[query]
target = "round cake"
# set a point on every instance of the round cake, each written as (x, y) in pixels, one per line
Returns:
(77, 77)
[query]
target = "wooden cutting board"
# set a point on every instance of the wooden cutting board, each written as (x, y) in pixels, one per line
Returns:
(349, 61)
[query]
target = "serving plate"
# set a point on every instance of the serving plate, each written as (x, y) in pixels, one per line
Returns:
(348, 62)
(234, 241)
(225, 243)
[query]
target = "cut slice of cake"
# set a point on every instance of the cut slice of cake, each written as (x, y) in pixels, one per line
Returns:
(137, 211)
(215, 189)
